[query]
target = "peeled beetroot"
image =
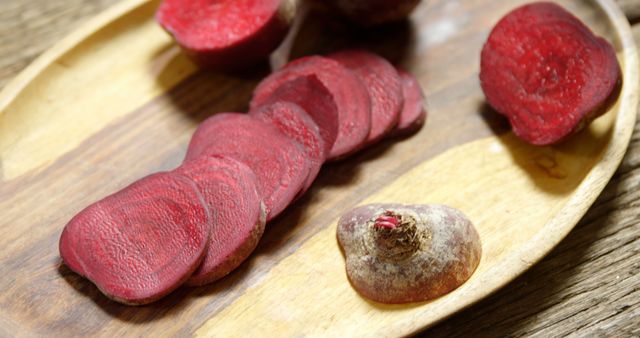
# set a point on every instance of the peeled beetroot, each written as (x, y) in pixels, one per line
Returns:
(294, 122)
(408, 253)
(278, 161)
(227, 33)
(346, 90)
(142, 242)
(371, 12)
(547, 72)
(229, 189)
(383, 84)
(413, 113)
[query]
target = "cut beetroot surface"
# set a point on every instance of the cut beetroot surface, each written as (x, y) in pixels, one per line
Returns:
(547, 72)
(346, 90)
(278, 161)
(142, 242)
(294, 122)
(384, 86)
(312, 96)
(413, 113)
(227, 33)
(229, 189)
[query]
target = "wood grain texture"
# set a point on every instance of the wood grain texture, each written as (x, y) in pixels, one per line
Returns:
(606, 240)
(29, 27)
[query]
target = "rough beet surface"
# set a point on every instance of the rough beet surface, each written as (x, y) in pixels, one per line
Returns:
(229, 189)
(413, 113)
(372, 12)
(142, 242)
(227, 33)
(408, 253)
(547, 72)
(383, 84)
(294, 122)
(278, 161)
(346, 90)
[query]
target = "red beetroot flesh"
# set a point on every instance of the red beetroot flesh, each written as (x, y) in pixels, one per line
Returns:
(294, 122)
(229, 189)
(142, 242)
(353, 119)
(278, 162)
(384, 86)
(227, 33)
(547, 72)
(413, 113)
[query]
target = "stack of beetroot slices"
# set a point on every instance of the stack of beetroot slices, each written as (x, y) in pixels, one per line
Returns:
(197, 223)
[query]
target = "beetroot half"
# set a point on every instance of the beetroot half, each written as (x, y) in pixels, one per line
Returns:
(227, 33)
(142, 242)
(229, 189)
(294, 122)
(413, 113)
(278, 161)
(346, 90)
(384, 86)
(547, 72)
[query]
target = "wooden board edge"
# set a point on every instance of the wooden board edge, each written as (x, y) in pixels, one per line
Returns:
(27, 75)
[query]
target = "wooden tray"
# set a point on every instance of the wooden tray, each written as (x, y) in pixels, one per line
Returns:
(116, 100)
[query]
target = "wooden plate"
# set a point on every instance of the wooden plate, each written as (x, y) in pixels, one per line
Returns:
(116, 100)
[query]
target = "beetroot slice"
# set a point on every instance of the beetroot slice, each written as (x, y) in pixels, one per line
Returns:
(347, 91)
(294, 122)
(311, 95)
(142, 242)
(413, 113)
(230, 190)
(384, 86)
(547, 72)
(227, 33)
(278, 162)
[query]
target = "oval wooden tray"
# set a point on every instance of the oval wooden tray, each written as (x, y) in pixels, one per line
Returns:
(116, 100)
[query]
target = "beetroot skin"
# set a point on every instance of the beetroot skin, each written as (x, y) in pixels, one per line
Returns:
(225, 34)
(383, 84)
(413, 113)
(142, 242)
(295, 123)
(372, 12)
(229, 189)
(278, 161)
(346, 90)
(547, 72)
(408, 253)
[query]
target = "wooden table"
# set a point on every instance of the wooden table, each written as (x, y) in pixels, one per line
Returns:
(588, 285)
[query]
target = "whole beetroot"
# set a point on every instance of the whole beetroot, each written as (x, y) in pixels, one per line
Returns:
(408, 253)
